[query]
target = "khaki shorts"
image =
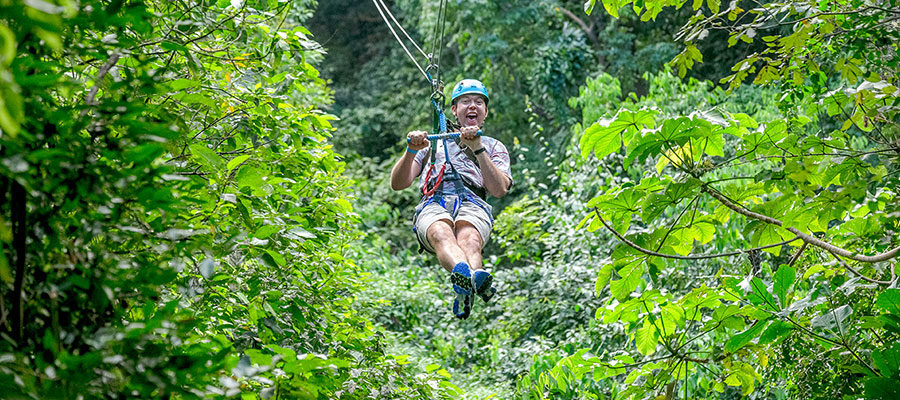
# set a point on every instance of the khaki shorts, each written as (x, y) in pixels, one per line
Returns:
(474, 211)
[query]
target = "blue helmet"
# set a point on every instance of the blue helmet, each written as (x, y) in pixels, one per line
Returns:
(469, 86)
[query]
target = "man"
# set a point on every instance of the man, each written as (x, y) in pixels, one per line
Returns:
(453, 220)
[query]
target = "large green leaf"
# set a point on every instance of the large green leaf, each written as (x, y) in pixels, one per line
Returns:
(671, 135)
(612, 6)
(631, 278)
(646, 338)
(775, 331)
(603, 278)
(882, 389)
(740, 340)
(655, 204)
(607, 136)
(196, 98)
(887, 360)
(266, 231)
(759, 294)
(209, 159)
(632, 122)
(235, 162)
(889, 300)
(602, 140)
(784, 279)
(181, 84)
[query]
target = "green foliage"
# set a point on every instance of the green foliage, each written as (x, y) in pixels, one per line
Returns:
(174, 219)
(730, 179)
(545, 267)
(189, 231)
(667, 323)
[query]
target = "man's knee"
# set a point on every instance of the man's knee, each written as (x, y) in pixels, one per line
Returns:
(440, 231)
(468, 236)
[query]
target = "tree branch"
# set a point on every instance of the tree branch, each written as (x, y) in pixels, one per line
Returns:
(18, 211)
(797, 256)
(91, 99)
(582, 24)
(824, 14)
(806, 237)
(677, 257)
(858, 274)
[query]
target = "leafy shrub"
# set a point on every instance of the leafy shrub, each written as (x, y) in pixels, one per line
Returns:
(174, 218)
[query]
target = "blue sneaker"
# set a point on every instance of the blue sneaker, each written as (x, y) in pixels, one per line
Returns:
(461, 278)
(482, 281)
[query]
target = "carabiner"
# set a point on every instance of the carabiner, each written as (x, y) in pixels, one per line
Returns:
(438, 94)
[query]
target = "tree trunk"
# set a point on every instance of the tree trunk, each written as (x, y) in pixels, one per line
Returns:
(17, 212)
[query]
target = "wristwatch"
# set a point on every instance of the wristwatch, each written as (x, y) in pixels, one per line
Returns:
(479, 151)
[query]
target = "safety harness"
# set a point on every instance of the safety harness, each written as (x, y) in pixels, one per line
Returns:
(433, 189)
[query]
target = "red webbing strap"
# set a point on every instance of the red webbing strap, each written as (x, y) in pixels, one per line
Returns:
(437, 182)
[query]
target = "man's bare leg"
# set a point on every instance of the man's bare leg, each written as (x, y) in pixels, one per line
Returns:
(441, 236)
(469, 240)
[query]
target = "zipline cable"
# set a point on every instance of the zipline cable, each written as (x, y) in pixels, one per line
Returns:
(440, 120)
(434, 31)
(401, 41)
(441, 20)
(388, 11)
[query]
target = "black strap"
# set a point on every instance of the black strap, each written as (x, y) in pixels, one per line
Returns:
(478, 191)
(469, 154)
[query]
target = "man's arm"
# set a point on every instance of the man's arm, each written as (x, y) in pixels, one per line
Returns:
(406, 169)
(495, 181)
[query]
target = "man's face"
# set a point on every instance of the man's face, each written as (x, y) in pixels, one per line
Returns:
(470, 110)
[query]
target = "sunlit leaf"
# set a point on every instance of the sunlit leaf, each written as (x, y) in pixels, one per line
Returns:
(603, 277)
(235, 162)
(631, 278)
(646, 339)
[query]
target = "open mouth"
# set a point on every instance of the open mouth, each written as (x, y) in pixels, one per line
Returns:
(471, 119)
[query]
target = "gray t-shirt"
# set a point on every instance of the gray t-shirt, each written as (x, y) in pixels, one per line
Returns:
(466, 168)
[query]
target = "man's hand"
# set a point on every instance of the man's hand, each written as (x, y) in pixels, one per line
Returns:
(417, 140)
(468, 136)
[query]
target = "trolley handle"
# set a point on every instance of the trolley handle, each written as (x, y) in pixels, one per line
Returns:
(450, 135)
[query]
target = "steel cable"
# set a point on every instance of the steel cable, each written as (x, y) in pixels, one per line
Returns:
(394, 32)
